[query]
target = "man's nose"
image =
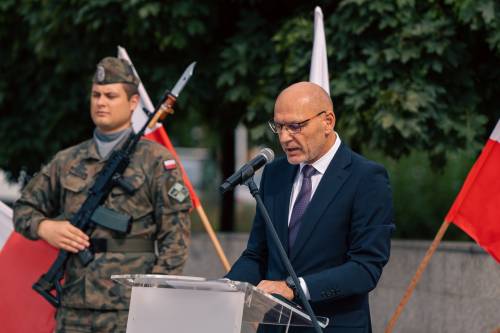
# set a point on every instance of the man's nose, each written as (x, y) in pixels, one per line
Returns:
(101, 100)
(284, 135)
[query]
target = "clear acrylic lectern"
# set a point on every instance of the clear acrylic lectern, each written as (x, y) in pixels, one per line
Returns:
(185, 304)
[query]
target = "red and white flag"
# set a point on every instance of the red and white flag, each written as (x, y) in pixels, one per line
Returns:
(158, 134)
(476, 209)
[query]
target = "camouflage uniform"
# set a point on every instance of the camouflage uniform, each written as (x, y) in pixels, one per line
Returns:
(60, 189)
(159, 207)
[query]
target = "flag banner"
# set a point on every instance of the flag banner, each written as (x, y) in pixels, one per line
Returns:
(158, 134)
(6, 226)
(476, 208)
(22, 262)
(319, 64)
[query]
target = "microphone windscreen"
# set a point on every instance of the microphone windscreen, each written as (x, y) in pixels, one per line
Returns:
(268, 154)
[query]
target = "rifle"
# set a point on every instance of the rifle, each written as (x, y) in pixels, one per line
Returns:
(92, 212)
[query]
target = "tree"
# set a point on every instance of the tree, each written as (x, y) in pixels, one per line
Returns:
(405, 75)
(51, 51)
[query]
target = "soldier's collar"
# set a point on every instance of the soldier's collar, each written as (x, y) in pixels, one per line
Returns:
(90, 150)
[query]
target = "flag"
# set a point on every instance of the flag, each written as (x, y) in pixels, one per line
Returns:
(22, 262)
(5, 223)
(476, 208)
(319, 63)
(158, 134)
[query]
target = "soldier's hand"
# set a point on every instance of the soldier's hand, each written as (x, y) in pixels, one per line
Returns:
(63, 235)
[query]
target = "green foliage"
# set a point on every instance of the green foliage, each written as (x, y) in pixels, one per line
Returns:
(408, 77)
(405, 75)
(49, 51)
(422, 196)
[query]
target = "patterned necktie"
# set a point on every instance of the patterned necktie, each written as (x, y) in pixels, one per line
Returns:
(300, 204)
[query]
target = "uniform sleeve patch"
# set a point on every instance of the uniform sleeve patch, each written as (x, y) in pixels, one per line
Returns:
(169, 164)
(178, 192)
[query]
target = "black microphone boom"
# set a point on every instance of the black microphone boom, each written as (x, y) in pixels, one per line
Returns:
(265, 156)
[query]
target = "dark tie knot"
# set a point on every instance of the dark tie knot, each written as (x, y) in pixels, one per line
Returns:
(308, 171)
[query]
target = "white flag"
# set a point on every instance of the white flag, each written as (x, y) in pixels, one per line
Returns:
(319, 64)
(6, 226)
(139, 118)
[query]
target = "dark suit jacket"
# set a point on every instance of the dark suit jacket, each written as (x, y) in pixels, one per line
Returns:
(343, 241)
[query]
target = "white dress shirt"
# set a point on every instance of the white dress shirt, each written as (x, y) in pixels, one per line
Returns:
(320, 166)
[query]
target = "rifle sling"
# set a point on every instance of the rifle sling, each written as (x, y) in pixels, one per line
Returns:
(122, 245)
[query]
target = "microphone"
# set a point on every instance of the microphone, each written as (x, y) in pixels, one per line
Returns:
(265, 156)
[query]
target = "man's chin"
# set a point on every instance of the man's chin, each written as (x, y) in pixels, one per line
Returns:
(294, 159)
(105, 128)
(102, 127)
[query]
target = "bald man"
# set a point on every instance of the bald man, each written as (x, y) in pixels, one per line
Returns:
(332, 210)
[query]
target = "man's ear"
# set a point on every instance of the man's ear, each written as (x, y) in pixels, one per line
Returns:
(134, 101)
(330, 120)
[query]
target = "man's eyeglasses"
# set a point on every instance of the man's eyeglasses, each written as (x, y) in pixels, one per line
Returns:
(292, 128)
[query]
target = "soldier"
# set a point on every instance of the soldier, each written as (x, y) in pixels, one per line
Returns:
(159, 207)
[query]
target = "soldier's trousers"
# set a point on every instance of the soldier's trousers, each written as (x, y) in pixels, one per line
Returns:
(70, 320)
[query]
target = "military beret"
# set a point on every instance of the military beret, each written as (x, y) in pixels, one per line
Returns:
(114, 70)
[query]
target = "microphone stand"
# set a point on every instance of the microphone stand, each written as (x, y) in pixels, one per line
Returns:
(284, 258)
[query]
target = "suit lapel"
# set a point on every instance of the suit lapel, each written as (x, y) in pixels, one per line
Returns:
(333, 179)
(282, 204)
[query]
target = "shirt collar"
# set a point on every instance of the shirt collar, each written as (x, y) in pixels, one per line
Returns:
(324, 161)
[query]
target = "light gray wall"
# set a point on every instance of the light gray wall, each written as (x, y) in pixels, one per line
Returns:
(203, 260)
(459, 291)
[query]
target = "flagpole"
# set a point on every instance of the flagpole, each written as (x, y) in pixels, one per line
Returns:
(213, 237)
(122, 53)
(161, 136)
(417, 276)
